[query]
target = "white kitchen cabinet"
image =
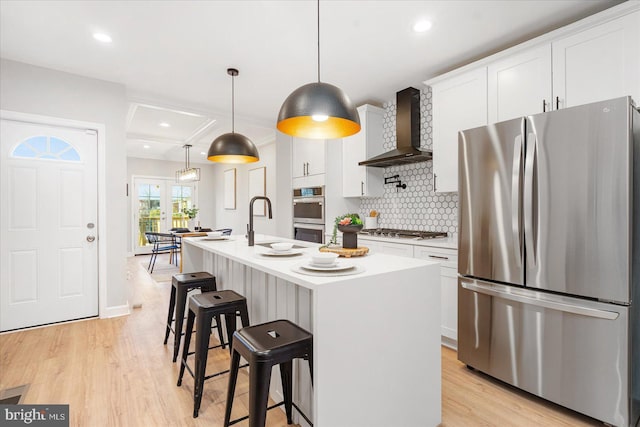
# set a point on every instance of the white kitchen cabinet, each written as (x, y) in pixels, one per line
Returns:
(363, 181)
(389, 248)
(308, 157)
(520, 84)
(448, 259)
(599, 63)
(458, 103)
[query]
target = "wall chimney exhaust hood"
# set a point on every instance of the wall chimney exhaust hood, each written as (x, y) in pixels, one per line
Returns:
(407, 134)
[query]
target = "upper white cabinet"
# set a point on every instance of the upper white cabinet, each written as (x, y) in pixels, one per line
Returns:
(599, 63)
(458, 103)
(520, 84)
(362, 181)
(591, 60)
(308, 157)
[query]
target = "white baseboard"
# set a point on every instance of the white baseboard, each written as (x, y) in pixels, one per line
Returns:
(115, 311)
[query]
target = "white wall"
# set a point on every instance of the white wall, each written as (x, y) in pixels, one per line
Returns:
(238, 218)
(36, 90)
(162, 168)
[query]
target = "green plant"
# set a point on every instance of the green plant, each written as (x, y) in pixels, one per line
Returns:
(191, 212)
(346, 219)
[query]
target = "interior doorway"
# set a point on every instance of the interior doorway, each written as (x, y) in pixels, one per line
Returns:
(159, 204)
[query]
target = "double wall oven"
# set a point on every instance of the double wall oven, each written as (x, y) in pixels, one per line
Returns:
(308, 214)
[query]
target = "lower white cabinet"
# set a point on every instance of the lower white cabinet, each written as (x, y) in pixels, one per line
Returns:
(388, 248)
(448, 259)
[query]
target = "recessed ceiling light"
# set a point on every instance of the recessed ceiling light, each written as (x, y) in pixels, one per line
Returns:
(422, 26)
(102, 37)
(146, 146)
(165, 124)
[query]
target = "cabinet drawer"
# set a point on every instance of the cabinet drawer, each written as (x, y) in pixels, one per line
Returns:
(447, 257)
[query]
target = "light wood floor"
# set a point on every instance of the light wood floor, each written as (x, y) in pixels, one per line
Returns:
(117, 372)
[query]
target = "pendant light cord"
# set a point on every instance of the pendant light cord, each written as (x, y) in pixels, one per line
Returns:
(233, 124)
(318, 41)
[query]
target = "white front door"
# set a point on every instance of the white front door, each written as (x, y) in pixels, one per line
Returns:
(158, 206)
(48, 224)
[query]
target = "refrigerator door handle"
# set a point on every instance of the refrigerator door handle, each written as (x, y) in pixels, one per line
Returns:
(515, 199)
(525, 297)
(529, 165)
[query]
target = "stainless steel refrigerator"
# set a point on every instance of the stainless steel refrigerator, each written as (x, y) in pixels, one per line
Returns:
(549, 256)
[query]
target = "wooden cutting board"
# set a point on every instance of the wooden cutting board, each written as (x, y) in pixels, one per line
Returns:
(345, 252)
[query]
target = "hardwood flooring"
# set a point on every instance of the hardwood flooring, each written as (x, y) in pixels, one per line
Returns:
(117, 372)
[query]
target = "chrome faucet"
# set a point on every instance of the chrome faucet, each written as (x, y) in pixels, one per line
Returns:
(250, 234)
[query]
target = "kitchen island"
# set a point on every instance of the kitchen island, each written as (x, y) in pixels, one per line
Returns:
(376, 333)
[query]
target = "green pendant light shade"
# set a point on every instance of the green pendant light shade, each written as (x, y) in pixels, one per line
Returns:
(318, 110)
(232, 147)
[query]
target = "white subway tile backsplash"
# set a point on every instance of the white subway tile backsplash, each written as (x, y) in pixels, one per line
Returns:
(417, 207)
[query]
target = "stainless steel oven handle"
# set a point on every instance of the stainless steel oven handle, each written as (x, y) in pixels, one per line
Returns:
(309, 226)
(541, 301)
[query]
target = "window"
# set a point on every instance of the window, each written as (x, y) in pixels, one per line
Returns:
(46, 148)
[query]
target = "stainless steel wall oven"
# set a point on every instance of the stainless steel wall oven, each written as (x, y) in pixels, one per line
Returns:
(308, 214)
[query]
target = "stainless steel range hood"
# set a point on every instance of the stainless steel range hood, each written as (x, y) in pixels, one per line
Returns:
(407, 134)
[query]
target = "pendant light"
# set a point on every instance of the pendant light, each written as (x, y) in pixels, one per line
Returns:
(318, 110)
(188, 174)
(233, 147)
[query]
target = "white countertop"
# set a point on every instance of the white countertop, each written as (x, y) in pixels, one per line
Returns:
(439, 242)
(236, 248)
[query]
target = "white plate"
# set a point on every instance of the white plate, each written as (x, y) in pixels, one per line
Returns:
(337, 266)
(299, 268)
(216, 238)
(271, 252)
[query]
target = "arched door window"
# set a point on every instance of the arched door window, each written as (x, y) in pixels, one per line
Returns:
(46, 148)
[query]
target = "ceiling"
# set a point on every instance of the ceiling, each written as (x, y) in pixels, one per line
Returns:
(172, 56)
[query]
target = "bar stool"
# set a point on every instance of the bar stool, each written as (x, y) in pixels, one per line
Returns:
(202, 309)
(266, 345)
(181, 284)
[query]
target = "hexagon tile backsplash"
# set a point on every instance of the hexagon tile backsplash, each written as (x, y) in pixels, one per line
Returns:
(417, 207)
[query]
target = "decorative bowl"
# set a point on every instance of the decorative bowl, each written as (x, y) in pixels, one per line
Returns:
(350, 228)
(324, 258)
(281, 246)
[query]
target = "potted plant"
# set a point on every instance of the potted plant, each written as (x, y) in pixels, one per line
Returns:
(349, 224)
(191, 213)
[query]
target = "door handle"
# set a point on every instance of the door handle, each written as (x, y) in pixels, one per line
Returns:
(527, 297)
(529, 167)
(515, 197)
(91, 238)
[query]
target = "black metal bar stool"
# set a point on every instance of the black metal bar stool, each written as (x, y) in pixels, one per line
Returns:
(266, 345)
(202, 309)
(181, 285)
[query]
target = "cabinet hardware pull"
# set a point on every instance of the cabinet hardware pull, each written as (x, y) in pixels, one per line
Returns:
(438, 257)
(434, 182)
(544, 106)
(557, 102)
(362, 188)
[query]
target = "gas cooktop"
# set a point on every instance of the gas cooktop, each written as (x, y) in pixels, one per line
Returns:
(402, 234)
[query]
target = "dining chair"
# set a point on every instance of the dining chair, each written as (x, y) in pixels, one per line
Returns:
(162, 243)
